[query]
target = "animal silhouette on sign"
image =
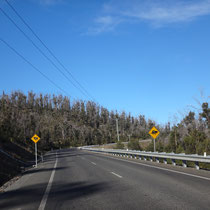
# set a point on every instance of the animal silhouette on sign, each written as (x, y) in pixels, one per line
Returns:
(154, 132)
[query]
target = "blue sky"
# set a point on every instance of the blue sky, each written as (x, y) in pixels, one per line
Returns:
(147, 57)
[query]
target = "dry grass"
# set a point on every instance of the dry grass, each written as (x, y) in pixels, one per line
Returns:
(142, 143)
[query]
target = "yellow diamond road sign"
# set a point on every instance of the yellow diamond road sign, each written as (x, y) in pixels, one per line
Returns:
(154, 132)
(35, 138)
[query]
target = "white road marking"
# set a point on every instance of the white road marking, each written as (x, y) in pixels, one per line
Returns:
(47, 191)
(116, 174)
(164, 169)
(93, 163)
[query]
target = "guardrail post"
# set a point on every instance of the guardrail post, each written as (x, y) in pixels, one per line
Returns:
(165, 161)
(173, 162)
(42, 157)
(135, 156)
(140, 157)
(145, 158)
(151, 159)
(157, 159)
(131, 156)
(184, 163)
(197, 165)
(22, 169)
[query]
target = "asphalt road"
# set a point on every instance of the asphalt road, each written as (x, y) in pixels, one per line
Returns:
(76, 179)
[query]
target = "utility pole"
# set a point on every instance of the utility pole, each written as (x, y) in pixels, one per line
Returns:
(118, 138)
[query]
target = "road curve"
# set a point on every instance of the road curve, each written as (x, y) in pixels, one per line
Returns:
(76, 179)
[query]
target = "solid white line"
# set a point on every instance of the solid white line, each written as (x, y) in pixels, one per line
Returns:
(47, 191)
(116, 174)
(164, 169)
(93, 163)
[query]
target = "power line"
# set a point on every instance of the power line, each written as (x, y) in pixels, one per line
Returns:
(34, 67)
(40, 51)
(51, 53)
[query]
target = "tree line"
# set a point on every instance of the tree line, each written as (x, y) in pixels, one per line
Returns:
(61, 122)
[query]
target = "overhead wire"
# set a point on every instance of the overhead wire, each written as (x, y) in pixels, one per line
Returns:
(40, 51)
(47, 48)
(34, 67)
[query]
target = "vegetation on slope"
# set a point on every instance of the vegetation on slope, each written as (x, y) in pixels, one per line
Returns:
(63, 123)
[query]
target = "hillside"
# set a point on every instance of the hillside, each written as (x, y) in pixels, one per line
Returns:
(12, 158)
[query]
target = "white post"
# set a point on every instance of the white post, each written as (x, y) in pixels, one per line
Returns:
(154, 146)
(36, 154)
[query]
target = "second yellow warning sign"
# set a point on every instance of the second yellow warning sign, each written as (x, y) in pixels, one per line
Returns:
(154, 132)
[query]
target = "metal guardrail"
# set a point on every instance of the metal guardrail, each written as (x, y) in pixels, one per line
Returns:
(155, 155)
(26, 164)
(11, 157)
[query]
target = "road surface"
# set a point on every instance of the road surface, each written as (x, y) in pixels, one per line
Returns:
(76, 179)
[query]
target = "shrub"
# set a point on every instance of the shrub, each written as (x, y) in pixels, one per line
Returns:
(134, 145)
(120, 145)
(150, 147)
